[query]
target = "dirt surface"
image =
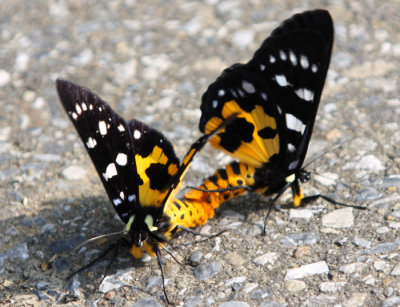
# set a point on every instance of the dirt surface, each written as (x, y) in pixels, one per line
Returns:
(152, 62)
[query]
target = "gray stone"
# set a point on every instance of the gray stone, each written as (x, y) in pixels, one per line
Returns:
(272, 304)
(19, 251)
(195, 257)
(382, 248)
(235, 280)
(306, 238)
(192, 301)
(234, 304)
(362, 242)
(146, 302)
(268, 258)
(391, 181)
(393, 301)
(206, 271)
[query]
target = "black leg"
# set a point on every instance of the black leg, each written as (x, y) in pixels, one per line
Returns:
(160, 264)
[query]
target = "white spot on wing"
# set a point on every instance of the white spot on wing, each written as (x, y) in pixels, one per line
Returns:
(74, 115)
(214, 103)
(131, 198)
(282, 55)
(90, 107)
(102, 127)
(305, 94)
(248, 87)
(111, 171)
(221, 92)
(304, 61)
(292, 58)
(314, 68)
(291, 147)
(117, 202)
(121, 128)
(121, 159)
(122, 195)
(272, 59)
(281, 80)
(137, 134)
(293, 123)
(78, 109)
(279, 109)
(84, 106)
(262, 67)
(91, 143)
(293, 165)
(264, 96)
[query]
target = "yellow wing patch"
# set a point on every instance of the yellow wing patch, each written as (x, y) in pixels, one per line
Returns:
(149, 196)
(259, 150)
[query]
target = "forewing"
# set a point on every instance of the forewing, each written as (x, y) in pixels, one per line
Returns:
(108, 141)
(276, 94)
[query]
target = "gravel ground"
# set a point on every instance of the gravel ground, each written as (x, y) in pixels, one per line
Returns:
(153, 61)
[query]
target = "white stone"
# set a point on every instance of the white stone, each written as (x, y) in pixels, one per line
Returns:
(74, 172)
(307, 270)
(306, 214)
(243, 38)
(341, 218)
(352, 268)
(5, 77)
(396, 270)
(331, 287)
(268, 258)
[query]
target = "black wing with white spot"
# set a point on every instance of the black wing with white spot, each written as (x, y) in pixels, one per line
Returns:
(108, 141)
(276, 94)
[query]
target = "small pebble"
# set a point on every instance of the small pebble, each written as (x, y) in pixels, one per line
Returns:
(206, 271)
(307, 270)
(302, 251)
(243, 38)
(396, 270)
(332, 287)
(74, 172)
(248, 287)
(383, 248)
(268, 258)
(294, 286)
(306, 238)
(235, 280)
(5, 77)
(362, 242)
(305, 214)
(234, 304)
(352, 268)
(340, 218)
(195, 258)
(234, 258)
(356, 300)
(192, 301)
(391, 181)
(146, 302)
(391, 302)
